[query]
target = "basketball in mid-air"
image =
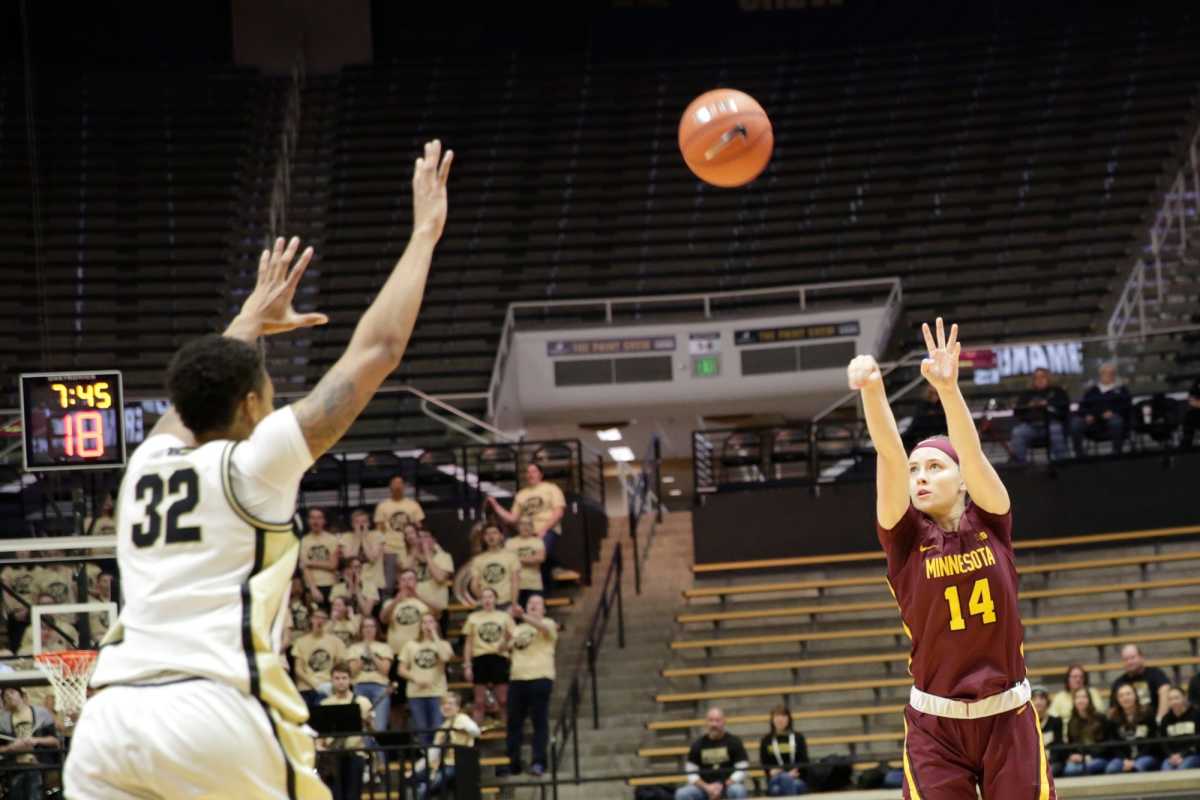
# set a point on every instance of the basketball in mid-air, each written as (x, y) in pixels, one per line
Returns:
(725, 137)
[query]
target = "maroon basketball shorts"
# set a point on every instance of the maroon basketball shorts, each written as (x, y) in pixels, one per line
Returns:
(945, 758)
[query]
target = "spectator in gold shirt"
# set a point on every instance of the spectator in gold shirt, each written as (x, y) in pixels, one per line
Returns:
(496, 568)
(532, 682)
(392, 514)
(541, 503)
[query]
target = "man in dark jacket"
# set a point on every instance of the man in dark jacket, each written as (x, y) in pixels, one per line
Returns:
(1041, 413)
(1103, 412)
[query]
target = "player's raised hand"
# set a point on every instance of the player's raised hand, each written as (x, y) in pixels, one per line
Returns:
(862, 372)
(430, 174)
(940, 367)
(270, 304)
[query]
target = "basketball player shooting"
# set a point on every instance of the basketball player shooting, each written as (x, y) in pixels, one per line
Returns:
(944, 519)
(192, 696)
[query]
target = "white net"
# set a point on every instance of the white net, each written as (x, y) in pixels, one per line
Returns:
(68, 672)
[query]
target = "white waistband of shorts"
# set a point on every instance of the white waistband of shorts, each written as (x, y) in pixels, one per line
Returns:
(1008, 700)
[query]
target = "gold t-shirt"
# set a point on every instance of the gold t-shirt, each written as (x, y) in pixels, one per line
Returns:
(435, 594)
(488, 630)
(342, 589)
(52, 640)
(494, 570)
(364, 705)
(373, 570)
(404, 623)
(349, 545)
(57, 580)
(345, 629)
(533, 651)
(426, 662)
(368, 653)
(315, 657)
(319, 547)
(524, 547)
(536, 504)
(395, 514)
(20, 580)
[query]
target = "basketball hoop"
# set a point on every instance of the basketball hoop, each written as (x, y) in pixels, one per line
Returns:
(68, 672)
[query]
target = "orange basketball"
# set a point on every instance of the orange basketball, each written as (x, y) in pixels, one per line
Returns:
(725, 137)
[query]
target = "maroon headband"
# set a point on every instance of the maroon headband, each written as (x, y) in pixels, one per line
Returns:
(940, 443)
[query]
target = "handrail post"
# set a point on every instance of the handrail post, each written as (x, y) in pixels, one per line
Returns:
(658, 491)
(620, 597)
(575, 726)
(591, 657)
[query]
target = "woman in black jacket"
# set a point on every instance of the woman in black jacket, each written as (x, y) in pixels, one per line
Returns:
(1133, 725)
(1086, 728)
(1181, 720)
(780, 752)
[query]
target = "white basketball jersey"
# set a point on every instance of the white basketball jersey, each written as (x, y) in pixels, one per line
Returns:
(206, 550)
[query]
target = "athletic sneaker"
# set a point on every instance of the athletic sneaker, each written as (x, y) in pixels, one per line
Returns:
(537, 770)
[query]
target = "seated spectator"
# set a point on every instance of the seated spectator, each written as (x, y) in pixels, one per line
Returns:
(1087, 731)
(342, 622)
(1191, 416)
(360, 592)
(314, 654)
(487, 634)
(1150, 683)
(1181, 720)
(716, 763)
(783, 753)
(457, 729)
(370, 662)
(345, 769)
(1041, 415)
(422, 663)
(1052, 731)
(318, 558)
(25, 729)
(1103, 412)
(496, 568)
(1133, 726)
(531, 552)
(928, 420)
(1064, 701)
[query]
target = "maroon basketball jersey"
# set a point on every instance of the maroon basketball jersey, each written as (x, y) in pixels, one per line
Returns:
(957, 594)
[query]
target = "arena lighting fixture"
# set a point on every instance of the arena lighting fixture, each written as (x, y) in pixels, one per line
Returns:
(609, 435)
(621, 453)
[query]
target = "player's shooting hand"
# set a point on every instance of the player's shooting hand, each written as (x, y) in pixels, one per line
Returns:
(430, 174)
(940, 368)
(863, 372)
(270, 304)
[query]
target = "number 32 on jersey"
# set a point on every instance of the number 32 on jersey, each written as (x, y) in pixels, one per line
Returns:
(979, 605)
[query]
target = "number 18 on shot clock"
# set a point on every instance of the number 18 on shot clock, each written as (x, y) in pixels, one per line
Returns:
(72, 420)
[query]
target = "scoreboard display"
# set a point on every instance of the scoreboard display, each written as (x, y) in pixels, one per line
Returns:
(72, 420)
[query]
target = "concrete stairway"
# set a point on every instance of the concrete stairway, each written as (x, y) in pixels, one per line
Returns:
(627, 678)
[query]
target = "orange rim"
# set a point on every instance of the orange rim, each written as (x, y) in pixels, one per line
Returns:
(72, 658)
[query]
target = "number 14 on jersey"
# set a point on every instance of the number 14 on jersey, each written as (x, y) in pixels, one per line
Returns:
(979, 605)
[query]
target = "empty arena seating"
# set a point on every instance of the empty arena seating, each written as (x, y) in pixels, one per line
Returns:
(824, 637)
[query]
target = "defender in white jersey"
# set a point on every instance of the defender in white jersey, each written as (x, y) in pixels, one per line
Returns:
(192, 696)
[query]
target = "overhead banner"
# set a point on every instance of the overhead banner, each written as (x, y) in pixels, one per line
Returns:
(795, 333)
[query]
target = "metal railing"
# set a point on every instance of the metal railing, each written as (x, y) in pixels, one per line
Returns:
(585, 674)
(1168, 233)
(289, 138)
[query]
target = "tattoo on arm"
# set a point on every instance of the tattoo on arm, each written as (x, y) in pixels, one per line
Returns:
(328, 411)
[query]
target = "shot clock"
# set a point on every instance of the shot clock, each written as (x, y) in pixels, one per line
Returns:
(72, 420)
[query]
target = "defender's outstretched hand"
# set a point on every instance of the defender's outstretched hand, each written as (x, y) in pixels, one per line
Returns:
(270, 304)
(940, 368)
(862, 372)
(430, 174)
